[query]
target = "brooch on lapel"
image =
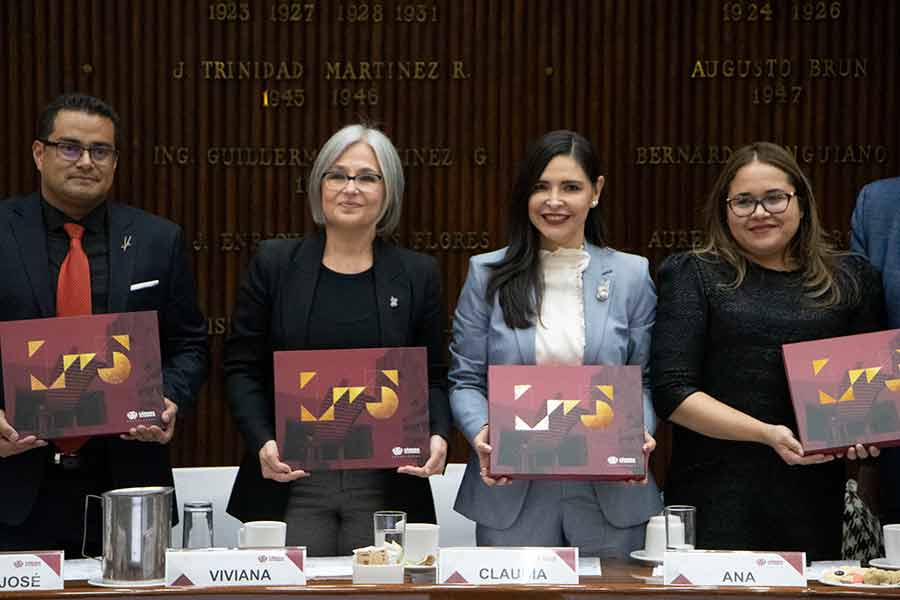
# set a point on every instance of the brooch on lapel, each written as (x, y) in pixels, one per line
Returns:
(603, 290)
(394, 302)
(126, 243)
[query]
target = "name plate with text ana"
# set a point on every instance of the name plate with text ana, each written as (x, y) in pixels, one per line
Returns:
(235, 567)
(503, 566)
(735, 568)
(22, 571)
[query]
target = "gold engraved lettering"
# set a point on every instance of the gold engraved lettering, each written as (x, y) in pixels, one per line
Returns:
(171, 155)
(833, 154)
(217, 325)
(178, 71)
(252, 156)
(675, 155)
(417, 70)
(838, 68)
(427, 157)
(741, 68)
(251, 69)
(453, 241)
(678, 239)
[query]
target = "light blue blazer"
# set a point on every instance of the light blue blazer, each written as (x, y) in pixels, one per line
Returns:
(617, 333)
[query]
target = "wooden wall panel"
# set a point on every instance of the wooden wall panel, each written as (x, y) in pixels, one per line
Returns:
(619, 71)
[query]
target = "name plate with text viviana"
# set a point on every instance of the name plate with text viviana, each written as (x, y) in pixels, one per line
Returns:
(23, 572)
(735, 568)
(503, 566)
(226, 568)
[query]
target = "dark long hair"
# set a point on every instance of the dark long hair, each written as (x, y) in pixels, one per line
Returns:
(516, 278)
(809, 248)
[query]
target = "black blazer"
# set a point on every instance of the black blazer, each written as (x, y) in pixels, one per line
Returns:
(156, 252)
(272, 313)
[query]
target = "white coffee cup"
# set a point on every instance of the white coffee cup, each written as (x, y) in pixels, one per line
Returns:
(262, 534)
(421, 542)
(892, 543)
(655, 535)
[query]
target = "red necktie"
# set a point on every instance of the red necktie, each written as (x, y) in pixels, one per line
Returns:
(73, 297)
(73, 289)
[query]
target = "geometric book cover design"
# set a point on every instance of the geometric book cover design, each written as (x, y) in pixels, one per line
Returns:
(352, 409)
(85, 375)
(572, 422)
(846, 390)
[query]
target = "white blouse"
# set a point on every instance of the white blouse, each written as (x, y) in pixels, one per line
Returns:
(559, 333)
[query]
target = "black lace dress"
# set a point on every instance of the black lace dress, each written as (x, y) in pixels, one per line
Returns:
(727, 343)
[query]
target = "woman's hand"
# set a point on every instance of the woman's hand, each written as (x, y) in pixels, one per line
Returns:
(648, 447)
(860, 452)
(782, 440)
(436, 461)
(483, 450)
(273, 468)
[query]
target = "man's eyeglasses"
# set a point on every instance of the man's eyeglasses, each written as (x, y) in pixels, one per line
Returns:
(744, 205)
(365, 182)
(101, 154)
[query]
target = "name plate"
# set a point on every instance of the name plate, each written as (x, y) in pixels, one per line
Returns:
(235, 567)
(738, 568)
(22, 572)
(499, 566)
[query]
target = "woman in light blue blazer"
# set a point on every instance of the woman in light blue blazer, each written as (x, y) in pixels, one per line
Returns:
(556, 295)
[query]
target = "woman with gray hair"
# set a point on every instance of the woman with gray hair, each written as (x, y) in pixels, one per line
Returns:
(345, 286)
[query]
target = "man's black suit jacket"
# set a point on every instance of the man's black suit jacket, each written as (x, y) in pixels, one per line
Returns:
(272, 313)
(156, 251)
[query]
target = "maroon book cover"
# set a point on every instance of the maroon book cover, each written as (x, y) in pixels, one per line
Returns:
(352, 409)
(82, 376)
(566, 422)
(846, 390)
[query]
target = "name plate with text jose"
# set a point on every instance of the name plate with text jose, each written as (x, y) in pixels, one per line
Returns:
(23, 571)
(235, 567)
(503, 566)
(735, 568)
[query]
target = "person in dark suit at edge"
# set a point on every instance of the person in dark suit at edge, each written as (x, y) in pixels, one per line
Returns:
(344, 286)
(875, 233)
(68, 250)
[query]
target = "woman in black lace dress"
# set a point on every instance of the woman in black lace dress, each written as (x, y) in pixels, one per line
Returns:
(765, 277)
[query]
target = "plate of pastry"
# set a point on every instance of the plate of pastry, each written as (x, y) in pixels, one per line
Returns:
(861, 577)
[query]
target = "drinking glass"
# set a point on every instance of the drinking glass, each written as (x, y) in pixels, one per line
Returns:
(197, 525)
(390, 531)
(681, 527)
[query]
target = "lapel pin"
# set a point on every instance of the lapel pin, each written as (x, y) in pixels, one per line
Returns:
(603, 290)
(394, 302)
(126, 243)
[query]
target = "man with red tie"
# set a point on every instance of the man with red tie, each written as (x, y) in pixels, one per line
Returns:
(67, 250)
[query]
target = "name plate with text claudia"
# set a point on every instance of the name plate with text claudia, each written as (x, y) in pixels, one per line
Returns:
(735, 568)
(503, 566)
(26, 571)
(235, 567)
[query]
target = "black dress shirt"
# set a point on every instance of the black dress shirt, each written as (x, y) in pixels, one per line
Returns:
(94, 242)
(343, 312)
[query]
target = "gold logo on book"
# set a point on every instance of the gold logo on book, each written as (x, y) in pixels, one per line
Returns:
(601, 418)
(116, 374)
(379, 409)
(853, 376)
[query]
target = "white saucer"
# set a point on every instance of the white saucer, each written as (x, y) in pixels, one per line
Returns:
(883, 563)
(641, 555)
(100, 582)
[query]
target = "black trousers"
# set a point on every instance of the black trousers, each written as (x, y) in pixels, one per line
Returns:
(56, 521)
(330, 512)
